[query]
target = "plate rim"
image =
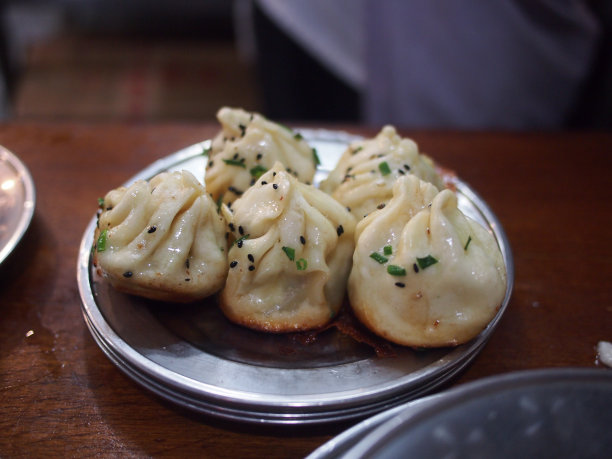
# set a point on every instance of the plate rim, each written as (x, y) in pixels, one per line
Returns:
(469, 392)
(28, 207)
(274, 408)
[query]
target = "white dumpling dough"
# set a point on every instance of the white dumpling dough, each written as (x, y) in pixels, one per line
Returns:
(248, 145)
(292, 257)
(364, 176)
(444, 304)
(162, 239)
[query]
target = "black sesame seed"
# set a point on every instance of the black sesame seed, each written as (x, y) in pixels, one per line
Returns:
(109, 208)
(407, 167)
(259, 156)
(187, 279)
(275, 186)
(187, 263)
(302, 239)
(239, 244)
(210, 164)
(340, 230)
(233, 264)
(400, 284)
(251, 268)
(152, 229)
(241, 230)
(232, 227)
(127, 274)
(251, 258)
(381, 205)
(235, 156)
(415, 267)
(401, 172)
(273, 174)
(263, 182)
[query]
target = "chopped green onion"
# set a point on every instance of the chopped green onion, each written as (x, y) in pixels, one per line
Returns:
(258, 171)
(378, 257)
(315, 156)
(239, 241)
(387, 250)
(357, 150)
(100, 202)
(384, 168)
(426, 261)
(290, 252)
(234, 162)
(301, 264)
(467, 243)
(206, 150)
(395, 270)
(219, 202)
(298, 136)
(101, 242)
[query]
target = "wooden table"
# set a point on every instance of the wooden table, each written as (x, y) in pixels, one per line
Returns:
(61, 396)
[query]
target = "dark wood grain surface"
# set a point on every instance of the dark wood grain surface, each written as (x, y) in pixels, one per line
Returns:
(61, 396)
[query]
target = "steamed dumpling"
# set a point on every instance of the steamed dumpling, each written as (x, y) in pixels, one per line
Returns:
(364, 176)
(247, 146)
(292, 256)
(424, 274)
(162, 239)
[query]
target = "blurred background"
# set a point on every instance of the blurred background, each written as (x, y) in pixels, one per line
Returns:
(541, 64)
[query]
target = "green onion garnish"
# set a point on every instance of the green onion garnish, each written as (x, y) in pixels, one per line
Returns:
(298, 136)
(467, 243)
(315, 156)
(219, 202)
(290, 252)
(301, 264)
(387, 250)
(384, 168)
(378, 257)
(101, 242)
(101, 202)
(234, 162)
(395, 270)
(206, 151)
(258, 171)
(240, 240)
(426, 261)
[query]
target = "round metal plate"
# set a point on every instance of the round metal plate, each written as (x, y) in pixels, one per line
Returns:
(192, 356)
(17, 201)
(539, 413)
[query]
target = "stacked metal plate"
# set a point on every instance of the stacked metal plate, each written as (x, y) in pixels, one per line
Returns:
(563, 412)
(192, 356)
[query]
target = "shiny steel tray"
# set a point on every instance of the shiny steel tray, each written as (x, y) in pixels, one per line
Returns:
(17, 201)
(192, 356)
